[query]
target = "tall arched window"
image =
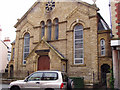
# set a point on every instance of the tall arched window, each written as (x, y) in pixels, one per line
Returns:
(26, 46)
(102, 45)
(49, 26)
(42, 29)
(78, 45)
(56, 29)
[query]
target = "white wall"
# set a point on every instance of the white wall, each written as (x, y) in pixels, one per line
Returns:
(3, 56)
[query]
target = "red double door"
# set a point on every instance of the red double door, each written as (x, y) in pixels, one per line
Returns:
(44, 63)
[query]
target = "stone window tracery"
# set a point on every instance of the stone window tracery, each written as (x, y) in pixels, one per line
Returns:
(78, 45)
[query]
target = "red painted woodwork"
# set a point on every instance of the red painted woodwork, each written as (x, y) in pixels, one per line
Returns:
(44, 63)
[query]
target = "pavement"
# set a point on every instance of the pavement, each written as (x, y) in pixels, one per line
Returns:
(4, 86)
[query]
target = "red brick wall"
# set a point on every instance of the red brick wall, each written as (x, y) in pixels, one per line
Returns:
(118, 18)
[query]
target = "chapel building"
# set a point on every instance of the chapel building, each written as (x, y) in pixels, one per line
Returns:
(67, 36)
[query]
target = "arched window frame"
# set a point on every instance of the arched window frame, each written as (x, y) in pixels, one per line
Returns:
(42, 29)
(102, 47)
(78, 44)
(49, 30)
(26, 46)
(56, 29)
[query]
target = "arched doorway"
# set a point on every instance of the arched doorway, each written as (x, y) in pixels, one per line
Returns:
(44, 63)
(11, 71)
(105, 68)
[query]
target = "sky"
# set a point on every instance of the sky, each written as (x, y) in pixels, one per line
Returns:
(11, 10)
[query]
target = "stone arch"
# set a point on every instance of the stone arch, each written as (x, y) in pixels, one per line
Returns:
(55, 19)
(23, 34)
(74, 23)
(42, 22)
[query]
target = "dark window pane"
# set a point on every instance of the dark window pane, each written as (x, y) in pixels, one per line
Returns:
(26, 47)
(78, 53)
(13, 53)
(42, 32)
(50, 76)
(27, 42)
(78, 41)
(102, 42)
(78, 27)
(27, 35)
(25, 55)
(56, 32)
(78, 35)
(49, 29)
(78, 45)
(24, 61)
(36, 77)
(78, 61)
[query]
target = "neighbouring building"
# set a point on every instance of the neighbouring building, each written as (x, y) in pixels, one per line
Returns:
(5, 53)
(11, 63)
(115, 42)
(7, 42)
(66, 36)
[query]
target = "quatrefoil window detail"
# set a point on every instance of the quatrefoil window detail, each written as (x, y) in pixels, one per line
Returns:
(50, 5)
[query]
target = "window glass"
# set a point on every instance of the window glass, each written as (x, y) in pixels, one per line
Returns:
(49, 29)
(13, 53)
(50, 76)
(56, 29)
(78, 60)
(44, 76)
(36, 77)
(26, 47)
(42, 29)
(78, 45)
(102, 45)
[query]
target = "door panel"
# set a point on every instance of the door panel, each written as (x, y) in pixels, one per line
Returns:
(32, 84)
(44, 63)
(34, 80)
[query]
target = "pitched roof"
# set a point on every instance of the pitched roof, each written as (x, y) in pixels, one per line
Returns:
(13, 42)
(102, 25)
(4, 43)
(22, 18)
(50, 46)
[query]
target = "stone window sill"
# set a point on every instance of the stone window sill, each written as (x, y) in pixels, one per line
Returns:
(80, 65)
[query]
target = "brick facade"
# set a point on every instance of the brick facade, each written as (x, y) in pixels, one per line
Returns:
(115, 42)
(61, 51)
